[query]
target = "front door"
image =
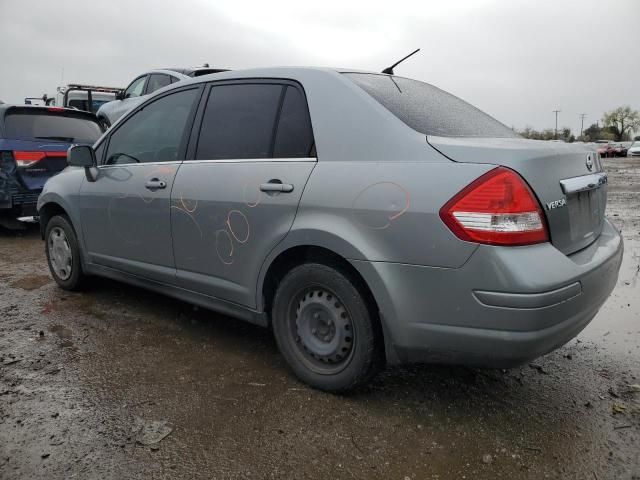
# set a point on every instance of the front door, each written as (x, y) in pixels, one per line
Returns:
(238, 197)
(126, 211)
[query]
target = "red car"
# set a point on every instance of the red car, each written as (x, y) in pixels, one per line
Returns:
(606, 150)
(619, 150)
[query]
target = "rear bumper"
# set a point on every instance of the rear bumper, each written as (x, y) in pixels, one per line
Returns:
(505, 306)
(20, 203)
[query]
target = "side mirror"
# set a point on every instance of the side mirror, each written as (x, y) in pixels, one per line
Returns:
(81, 156)
(120, 95)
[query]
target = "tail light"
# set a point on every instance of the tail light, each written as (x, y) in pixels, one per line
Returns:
(498, 208)
(26, 159)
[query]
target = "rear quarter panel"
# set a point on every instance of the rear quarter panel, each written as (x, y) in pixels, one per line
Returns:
(384, 211)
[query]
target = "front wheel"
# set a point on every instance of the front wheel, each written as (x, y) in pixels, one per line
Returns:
(325, 329)
(63, 254)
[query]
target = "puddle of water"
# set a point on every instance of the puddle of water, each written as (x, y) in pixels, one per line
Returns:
(617, 326)
(31, 282)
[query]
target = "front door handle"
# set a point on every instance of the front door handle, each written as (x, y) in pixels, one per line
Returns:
(276, 187)
(155, 184)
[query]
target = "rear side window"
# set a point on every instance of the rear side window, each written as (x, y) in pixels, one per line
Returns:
(51, 126)
(294, 138)
(428, 109)
(153, 134)
(238, 121)
(157, 81)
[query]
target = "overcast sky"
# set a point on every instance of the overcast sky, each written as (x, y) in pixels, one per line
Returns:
(517, 60)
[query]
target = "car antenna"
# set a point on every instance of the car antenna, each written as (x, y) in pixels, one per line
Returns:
(389, 70)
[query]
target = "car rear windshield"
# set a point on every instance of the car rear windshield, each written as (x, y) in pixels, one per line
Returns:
(54, 126)
(427, 109)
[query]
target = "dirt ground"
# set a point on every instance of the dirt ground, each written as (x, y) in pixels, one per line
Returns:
(117, 383)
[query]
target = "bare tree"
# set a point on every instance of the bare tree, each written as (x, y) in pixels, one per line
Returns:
(622, 121)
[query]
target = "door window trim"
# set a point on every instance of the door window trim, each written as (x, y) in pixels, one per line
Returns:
(141, 164)
(197, 123)
(184, 141)
(254, 160)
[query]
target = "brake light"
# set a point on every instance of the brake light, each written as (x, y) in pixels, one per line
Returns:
(26, 159)
(55, 109)
(498, 208)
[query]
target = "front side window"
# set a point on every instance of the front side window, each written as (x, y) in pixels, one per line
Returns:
(136, 88)
(157, 81)
(239, 121)
(154, 133)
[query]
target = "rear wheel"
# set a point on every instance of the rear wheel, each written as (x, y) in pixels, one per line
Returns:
(325, 328)
(63, 254)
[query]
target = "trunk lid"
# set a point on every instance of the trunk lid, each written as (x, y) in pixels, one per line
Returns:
(572, 196)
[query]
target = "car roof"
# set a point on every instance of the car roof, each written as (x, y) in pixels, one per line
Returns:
(291, 73)
(278, 72)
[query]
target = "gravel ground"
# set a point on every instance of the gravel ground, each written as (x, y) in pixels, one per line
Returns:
(116, 382)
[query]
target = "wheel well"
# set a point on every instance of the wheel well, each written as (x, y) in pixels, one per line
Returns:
(48, 211)
(307, 254)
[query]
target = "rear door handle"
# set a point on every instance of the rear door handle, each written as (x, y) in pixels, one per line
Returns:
(276, 187)
(155, 184)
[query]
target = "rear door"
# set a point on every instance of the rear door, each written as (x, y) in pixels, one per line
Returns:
(125, 211)
(237, 197)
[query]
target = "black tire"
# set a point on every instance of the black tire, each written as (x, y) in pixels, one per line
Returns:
(315, 292)
(73, 277)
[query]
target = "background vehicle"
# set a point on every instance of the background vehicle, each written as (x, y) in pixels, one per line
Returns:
(605, 149)
(361, 216)
(82, 97)
(144, 85)
(33, 147)
(634, 150)
(619, 150)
